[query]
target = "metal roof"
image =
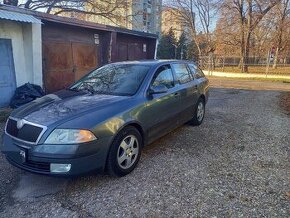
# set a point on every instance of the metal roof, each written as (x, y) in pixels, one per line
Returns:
(9, 15)
(72, 21)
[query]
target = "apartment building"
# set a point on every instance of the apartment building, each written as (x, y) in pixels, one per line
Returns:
(170, 19)
(140, 15)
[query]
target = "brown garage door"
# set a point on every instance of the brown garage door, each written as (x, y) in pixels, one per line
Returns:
(130, 51)
(66, 62)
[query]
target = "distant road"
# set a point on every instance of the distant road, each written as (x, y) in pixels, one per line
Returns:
(221, 82)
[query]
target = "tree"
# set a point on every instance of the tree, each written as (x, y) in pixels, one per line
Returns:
(197, 16)
(103, 8)
(182, 47)
(192, 51)
(249, 14)
(282, 13)
(167, 46)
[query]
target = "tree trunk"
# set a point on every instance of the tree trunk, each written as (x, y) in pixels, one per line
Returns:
(276, 58)
(247, 52)
(242, 50)
(279, 42)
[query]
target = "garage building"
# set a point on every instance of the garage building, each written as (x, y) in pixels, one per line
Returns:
(53, 51)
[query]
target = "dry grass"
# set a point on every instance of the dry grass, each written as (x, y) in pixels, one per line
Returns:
(255, 69)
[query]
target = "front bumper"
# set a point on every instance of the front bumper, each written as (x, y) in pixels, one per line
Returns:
(84, 158)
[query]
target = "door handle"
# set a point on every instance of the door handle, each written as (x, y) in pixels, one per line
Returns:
(176, 94)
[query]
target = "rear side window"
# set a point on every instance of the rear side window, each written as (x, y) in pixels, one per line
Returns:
(182, 74)
(164, 76)
(197, 73)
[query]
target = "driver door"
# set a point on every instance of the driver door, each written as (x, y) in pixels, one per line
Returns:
(161, 109)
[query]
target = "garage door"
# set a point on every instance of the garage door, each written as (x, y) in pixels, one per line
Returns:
(7, 72)
(130, 51)
(66, 62)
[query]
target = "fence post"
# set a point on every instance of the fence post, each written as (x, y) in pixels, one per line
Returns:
(268, 64)
(223, 63)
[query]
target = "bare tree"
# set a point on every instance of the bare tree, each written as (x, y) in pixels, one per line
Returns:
(103, 8)
(193, 12)
(282, 13)
(250, 14)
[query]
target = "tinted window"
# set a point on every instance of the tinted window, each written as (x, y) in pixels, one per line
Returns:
(182, 73)
(114, 79)
(197, 73)
(164, 76)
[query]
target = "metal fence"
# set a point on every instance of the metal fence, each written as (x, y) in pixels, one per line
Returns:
(255, 64)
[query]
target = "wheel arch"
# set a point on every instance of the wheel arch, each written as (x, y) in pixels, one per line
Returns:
(132, 123)
(202, 96)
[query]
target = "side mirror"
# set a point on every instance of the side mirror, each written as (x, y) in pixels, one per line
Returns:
(158, 89)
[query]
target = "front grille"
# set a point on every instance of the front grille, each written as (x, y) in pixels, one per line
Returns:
(28, 132)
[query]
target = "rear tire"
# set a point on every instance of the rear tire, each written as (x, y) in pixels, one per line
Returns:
(199, 112)
(125, 152)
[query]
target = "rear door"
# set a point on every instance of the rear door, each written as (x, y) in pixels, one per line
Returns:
(7, 72)
(188, 91)
(161, 110)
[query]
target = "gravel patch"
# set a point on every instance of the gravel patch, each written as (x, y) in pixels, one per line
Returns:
(9, 177)
(234, 165)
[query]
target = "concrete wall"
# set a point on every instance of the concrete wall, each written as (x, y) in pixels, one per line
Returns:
(27, 51)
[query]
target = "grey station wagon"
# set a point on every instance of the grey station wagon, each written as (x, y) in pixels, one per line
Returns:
(102, 122)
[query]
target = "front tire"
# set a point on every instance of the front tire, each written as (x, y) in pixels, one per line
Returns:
(199, 112)
(125, 152)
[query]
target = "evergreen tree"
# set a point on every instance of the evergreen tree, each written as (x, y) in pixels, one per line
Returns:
(182, 47)
(167, 46)
(192, 51)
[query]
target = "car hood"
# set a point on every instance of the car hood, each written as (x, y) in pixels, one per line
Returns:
(63, 105)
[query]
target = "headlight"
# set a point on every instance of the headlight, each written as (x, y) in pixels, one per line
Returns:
(70, 136)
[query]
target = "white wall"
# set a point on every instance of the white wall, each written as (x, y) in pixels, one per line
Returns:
(26, 46)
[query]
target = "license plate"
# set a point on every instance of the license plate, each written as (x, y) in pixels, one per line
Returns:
(23, 155)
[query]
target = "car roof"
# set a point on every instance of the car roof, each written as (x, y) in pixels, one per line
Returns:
(153, 62)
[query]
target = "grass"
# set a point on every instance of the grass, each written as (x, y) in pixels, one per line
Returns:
(255, 69)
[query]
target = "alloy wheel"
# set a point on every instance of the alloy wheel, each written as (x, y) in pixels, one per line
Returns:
(128, 152)
(200, 111)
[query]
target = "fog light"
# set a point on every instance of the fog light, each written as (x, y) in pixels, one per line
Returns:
(59, 168)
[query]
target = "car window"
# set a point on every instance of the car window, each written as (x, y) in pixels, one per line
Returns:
(164, 76)
(114, 79)
(197, 73)
(182, 73)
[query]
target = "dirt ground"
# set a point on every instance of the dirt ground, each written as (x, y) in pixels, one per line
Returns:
(236, 164)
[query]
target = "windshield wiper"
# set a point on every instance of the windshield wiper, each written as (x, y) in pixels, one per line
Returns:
(73, 89)
(83, 89)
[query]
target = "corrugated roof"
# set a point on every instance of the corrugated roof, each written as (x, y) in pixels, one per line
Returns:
(9, 15)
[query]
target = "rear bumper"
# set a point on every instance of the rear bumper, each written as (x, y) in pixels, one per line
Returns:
(81, 162)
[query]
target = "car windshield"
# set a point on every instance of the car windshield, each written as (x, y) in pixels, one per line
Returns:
(113, 79)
